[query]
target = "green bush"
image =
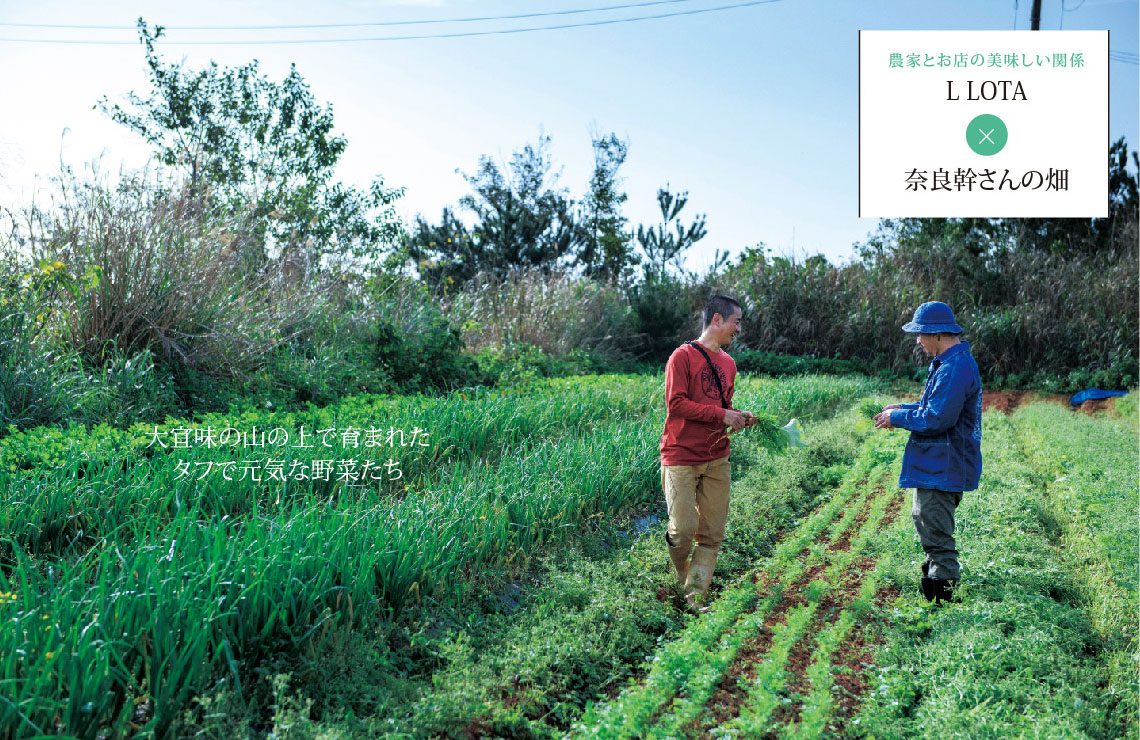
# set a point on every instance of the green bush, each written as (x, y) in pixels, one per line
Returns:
(769, 363)
(664, 316)
(517, 364)
(431, 359)
(322, 372)
(36, 384)
(1032, 316)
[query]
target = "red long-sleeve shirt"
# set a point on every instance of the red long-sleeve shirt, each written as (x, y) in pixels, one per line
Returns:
(694, 420)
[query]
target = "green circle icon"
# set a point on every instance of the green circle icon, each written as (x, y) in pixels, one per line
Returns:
(987, 134)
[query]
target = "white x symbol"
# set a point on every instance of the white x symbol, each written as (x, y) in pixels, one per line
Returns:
(986, 137)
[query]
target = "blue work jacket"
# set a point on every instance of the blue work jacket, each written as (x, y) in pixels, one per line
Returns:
(945, 447)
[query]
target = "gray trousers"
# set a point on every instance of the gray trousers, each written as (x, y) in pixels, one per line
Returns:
(933, 515)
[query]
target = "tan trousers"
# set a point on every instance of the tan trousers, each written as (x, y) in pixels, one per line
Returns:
(697, 499)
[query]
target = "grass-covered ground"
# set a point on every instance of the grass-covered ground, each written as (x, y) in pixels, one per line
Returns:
(1021, 656)
(513, 582)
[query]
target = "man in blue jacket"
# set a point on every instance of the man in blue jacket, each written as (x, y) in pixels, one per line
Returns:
(943, 457)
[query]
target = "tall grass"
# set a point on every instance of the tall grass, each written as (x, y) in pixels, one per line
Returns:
(162, 274)
(128, 592)
(35, 387)
(556, 313)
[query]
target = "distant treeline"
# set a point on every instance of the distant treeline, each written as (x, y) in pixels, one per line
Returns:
(260, 280)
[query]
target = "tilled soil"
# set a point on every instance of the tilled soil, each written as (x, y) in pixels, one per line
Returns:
(850, 661)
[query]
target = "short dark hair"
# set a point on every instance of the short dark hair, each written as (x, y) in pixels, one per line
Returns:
(721, 304)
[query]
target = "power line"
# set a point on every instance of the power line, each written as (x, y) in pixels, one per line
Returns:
(352, 25)
(1064, 10)
(583, 24)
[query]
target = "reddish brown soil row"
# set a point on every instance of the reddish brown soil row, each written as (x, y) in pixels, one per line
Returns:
(891, 513)
(751, 653)
(852, 661)
(1007, 401)
(849, 661)
(798, 684)
(821, 537)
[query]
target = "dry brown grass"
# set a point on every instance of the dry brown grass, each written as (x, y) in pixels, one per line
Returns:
(157, 268)
(554, 312)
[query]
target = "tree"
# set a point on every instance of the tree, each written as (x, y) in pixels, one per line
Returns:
(522, 218)
(662, 247)
(446, 253)
(243, 139)
(605, 251)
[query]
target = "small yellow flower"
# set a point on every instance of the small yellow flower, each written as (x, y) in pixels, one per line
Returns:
(49, 269)
(57, 265)
(49, 654)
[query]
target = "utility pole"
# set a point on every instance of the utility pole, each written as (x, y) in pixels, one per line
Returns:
(1035, 18)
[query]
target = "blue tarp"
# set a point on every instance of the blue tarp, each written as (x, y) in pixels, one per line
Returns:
(1090, 394)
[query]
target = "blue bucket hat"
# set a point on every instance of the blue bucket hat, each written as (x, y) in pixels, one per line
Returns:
(932, 318)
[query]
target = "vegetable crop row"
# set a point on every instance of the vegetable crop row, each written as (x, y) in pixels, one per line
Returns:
(701, 683)
(124, 594)
(819, 703)
(627, 715)
(765, 691)
(199, 596)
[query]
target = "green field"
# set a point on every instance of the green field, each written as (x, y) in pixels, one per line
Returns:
(501, 573)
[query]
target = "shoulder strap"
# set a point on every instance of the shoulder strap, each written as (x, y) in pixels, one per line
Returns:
(715, 374)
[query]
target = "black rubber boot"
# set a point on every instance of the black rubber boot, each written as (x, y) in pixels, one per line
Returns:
(925, 567)
(944, 591)
(929, 588)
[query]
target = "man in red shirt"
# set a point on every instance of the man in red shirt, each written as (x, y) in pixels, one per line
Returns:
(699, 379)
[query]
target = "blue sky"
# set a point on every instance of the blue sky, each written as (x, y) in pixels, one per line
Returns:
(752, 110)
